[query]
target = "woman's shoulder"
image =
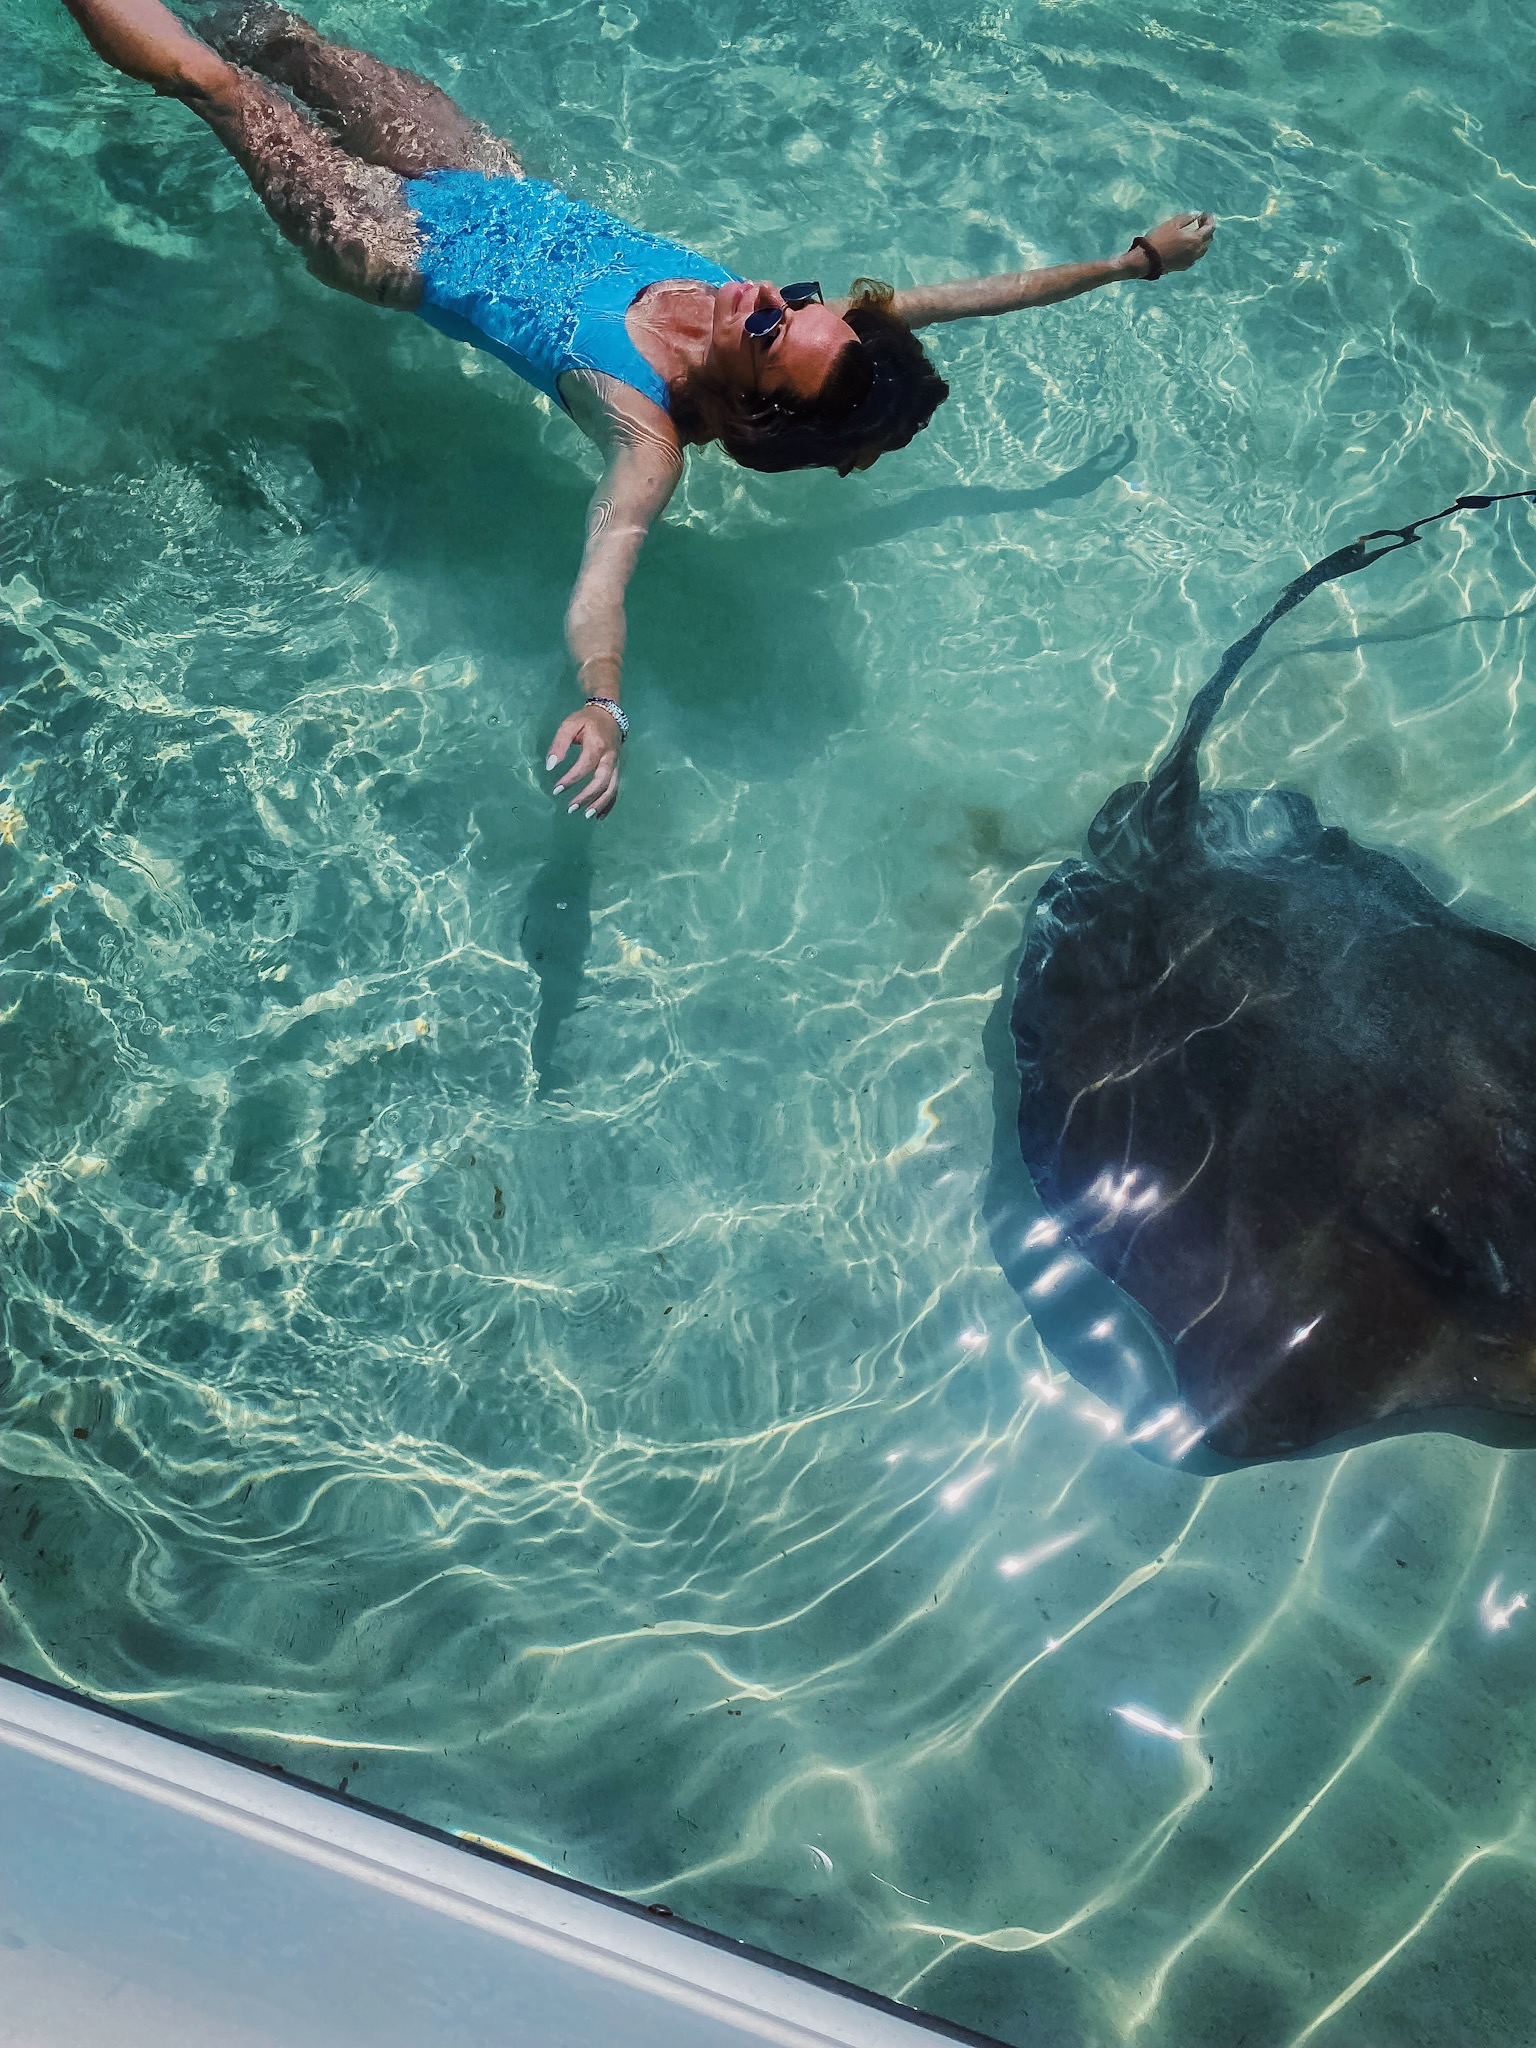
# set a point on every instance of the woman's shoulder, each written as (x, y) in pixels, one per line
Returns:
(610, 411)
(615, 415)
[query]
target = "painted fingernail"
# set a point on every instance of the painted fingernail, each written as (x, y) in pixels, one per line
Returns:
(571, 807)
(551, 761)
(593, 812)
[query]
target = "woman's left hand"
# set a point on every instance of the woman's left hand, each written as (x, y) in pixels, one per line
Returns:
(1183, 240)
(596, 732)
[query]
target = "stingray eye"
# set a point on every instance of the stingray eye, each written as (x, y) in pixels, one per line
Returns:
(1436, 1251)
(1463, 1259)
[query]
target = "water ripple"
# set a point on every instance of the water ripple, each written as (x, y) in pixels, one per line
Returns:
(618, 1439)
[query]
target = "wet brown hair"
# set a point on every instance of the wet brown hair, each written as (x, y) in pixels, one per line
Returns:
(880, 392)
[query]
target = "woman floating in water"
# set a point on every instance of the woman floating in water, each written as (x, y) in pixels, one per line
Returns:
(396, 196)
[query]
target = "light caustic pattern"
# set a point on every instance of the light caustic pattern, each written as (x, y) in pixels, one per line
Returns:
(656, 1472)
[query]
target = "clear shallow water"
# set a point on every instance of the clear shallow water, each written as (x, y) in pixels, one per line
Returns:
(657, 1473)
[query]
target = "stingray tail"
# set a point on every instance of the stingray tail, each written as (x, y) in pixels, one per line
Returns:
(1169, 797)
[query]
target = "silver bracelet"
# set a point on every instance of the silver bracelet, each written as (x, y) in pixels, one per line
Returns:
(607, 704)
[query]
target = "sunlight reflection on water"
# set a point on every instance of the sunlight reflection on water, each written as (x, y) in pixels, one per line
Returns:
(657, 1472)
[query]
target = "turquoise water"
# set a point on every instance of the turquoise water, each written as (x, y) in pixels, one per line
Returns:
(653, 1470)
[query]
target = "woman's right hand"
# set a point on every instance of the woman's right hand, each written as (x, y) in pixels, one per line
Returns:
(1183, 240)
(596, 732)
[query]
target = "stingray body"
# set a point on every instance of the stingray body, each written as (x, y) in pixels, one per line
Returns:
(1286, 1099)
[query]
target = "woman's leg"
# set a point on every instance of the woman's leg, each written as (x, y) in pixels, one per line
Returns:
(349, 218)
(376, 112)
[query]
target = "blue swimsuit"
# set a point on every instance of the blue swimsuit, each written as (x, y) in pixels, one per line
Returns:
(539, 279)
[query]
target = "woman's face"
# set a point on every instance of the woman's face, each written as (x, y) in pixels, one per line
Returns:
(793, 363)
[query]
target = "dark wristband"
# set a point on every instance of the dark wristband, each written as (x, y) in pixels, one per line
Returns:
(1154, 261)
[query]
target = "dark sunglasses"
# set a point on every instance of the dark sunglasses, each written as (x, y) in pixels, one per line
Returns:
(765, 325)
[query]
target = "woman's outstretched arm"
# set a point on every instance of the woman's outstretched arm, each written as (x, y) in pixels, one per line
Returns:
(1179, 243)
(644, 464)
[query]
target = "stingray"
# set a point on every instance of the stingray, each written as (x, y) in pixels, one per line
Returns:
(1285, 1098)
